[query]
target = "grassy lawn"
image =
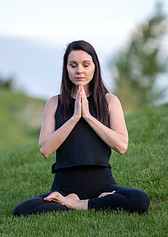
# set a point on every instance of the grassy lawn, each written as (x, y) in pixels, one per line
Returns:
(20, 119)
(24, 173)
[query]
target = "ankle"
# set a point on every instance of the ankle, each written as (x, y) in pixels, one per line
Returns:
(83, 205)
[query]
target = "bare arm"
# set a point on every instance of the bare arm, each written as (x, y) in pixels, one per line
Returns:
(116, 136)
(50, 139)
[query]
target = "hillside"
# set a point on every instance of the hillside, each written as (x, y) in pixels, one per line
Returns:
(20, 118)
(25, 173)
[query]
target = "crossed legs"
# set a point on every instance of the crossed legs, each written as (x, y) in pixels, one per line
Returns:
(72, 200)
(128, 199)
(113, 197)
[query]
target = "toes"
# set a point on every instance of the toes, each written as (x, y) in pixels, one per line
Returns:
(52, 196)
(106, 193)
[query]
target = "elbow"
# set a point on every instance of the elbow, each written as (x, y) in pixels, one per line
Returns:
(45, 155)
(123, 149)
(43, 151)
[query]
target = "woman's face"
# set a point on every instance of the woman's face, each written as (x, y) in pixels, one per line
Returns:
(80, 67)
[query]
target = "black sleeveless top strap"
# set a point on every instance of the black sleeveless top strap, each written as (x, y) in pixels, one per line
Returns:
(83, 146)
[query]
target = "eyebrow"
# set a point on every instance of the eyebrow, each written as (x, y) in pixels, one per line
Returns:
(85, 61)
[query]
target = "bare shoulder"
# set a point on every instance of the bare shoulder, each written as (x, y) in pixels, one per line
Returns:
(112, 100)
(52, 103)
(53, 100)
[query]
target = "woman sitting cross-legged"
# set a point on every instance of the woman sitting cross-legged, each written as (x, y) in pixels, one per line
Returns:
(82, 125)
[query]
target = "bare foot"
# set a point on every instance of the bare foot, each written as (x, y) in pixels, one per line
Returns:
(71, 201)
(106, 193)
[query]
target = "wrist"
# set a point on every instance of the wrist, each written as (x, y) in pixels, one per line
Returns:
(75, 118)
(87, 117)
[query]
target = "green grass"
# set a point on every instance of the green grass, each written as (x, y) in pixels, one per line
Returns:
(24, 173)
(20, 119)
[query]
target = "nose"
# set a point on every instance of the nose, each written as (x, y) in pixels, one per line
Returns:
(79, 69)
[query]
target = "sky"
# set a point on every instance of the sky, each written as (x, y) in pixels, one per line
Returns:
(107, 24)
(56, 22)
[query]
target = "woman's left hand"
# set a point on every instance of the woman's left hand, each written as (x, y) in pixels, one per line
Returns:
(85, 104)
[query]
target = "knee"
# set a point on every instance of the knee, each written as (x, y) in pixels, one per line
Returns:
(143, 203)
(17, 211)
(21, 210)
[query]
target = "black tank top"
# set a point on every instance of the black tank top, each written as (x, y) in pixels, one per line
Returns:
(83, 146)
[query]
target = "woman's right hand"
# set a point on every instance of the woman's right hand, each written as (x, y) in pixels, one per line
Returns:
(78, 105)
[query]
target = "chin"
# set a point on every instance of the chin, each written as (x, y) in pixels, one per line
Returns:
(80, 82)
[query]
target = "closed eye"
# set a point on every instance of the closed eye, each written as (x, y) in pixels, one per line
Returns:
(73, 65)
(86, 65)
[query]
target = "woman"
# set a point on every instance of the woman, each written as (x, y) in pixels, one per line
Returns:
(82, 124)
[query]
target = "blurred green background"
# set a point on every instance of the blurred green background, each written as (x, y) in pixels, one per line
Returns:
(135, 69)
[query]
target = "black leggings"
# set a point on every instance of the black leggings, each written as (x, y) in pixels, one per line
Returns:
(87, 182)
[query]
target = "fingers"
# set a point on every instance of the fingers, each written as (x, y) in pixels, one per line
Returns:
(77, 108)
(78, 95)
(84, 104)
(80, 90)
(83, 94)
(81, 104)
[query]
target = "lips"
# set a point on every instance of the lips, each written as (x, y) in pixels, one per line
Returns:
(79, 78)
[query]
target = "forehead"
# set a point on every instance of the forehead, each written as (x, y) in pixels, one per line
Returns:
(79, 55)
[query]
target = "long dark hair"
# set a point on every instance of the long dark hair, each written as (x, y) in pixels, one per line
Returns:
(97, 87)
